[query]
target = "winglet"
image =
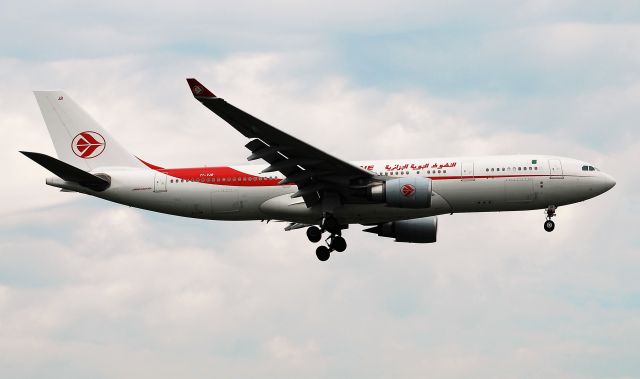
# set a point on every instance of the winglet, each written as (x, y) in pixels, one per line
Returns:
(198, 90)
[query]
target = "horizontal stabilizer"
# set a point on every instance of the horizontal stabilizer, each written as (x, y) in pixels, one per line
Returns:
(68, 172)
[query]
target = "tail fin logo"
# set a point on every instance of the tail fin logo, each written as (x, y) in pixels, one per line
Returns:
(88, 144)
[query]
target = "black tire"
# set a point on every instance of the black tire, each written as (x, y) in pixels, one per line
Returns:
(549, 225)
(339, 244)
(314, 234)
(323, 253)
(331, 225)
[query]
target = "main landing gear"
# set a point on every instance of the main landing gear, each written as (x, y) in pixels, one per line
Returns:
(335, 241)
(549, 225)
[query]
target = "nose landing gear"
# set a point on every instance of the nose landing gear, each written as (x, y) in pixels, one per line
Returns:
(549, 225)
(335, 241)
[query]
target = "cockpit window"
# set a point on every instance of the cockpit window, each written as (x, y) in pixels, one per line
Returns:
(585, 168)
(591, 168)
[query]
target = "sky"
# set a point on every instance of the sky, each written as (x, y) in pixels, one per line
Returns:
(94, 289)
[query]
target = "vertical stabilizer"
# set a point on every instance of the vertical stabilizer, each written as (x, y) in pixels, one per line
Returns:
(78, 139)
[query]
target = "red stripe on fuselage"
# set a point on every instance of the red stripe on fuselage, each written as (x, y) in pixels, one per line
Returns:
(225, 176)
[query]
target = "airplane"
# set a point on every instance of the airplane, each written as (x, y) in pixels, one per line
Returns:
(305, 186)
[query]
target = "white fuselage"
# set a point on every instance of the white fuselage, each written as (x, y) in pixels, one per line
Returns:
(460, 184)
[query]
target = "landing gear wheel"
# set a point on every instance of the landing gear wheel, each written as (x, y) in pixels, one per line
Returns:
(549, 225)
(314, 234)
(323, 253)
(331, 225)
(339, 244)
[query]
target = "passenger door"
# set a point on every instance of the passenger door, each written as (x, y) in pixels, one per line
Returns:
(160, 184)
(555, 169)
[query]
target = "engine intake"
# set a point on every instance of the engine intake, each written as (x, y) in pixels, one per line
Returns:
(418, 230)
(411, 192)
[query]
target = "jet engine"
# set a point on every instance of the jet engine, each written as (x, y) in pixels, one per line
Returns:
(418, 230)
(410, 192)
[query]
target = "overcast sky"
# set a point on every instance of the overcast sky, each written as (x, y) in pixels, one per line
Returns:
(99, 290)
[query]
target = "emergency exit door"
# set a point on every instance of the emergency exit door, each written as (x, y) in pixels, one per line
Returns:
(466, 171)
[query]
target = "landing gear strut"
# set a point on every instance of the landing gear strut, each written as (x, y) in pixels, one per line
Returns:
(549, 225)
(335, 241)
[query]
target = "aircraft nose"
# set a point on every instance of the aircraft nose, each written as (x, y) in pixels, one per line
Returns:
(609, 182)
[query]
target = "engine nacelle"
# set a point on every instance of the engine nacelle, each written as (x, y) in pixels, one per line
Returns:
(418, 230)
(411, 192)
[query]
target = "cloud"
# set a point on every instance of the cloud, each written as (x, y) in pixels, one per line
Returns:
(89, 288)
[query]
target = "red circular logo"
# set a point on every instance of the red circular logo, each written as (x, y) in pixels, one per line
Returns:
(88, 144)
(407, 190)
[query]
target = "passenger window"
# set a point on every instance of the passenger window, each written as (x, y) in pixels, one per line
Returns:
(492, 170)
(439, 171)
(487, 170)
(519, 168)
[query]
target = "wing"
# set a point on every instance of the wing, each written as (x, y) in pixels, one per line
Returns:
(313, 171)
